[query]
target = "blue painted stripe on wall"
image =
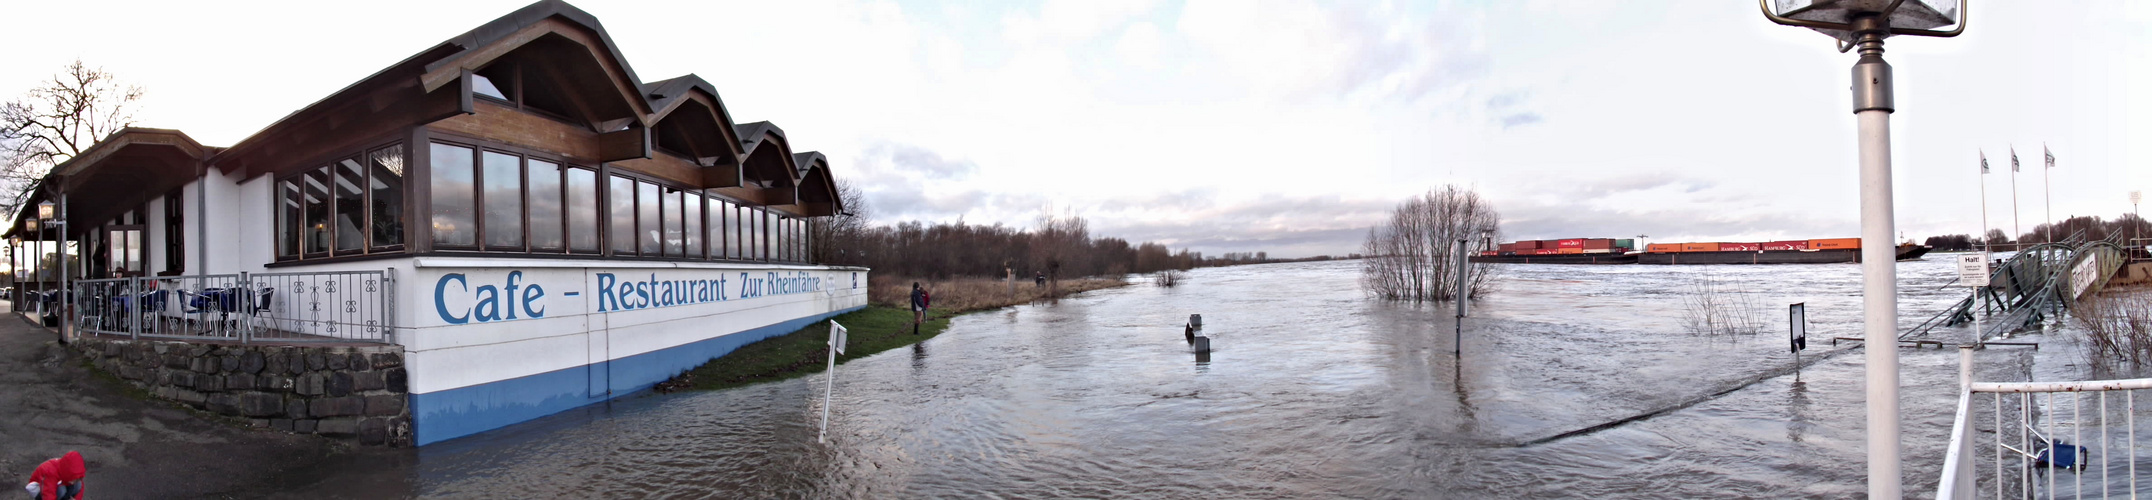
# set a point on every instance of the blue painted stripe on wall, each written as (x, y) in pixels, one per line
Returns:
(444, 415)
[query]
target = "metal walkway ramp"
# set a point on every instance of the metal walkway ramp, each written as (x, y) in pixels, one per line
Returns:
(2038, 282)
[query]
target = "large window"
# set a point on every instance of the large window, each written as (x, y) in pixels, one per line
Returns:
(175, 232)
(349, 178)
(646, 218)
(582, 210)
(387, 196)
(694, 209)
(455, 208)
(675, 233)
(546, 223)
(316, 185)
(502, 177)
(621, 203)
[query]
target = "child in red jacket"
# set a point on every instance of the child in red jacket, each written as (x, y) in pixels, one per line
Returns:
(57, 479)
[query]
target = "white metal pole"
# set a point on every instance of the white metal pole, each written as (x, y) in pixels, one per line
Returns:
(829, 388)
(1872, 106)
(2014, 227)
(2047, 196)
(1879, 291)
(1985, 245)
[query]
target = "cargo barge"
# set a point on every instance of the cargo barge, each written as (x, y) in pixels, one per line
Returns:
(1816, 251)
(1565, 251)
(1623, 251)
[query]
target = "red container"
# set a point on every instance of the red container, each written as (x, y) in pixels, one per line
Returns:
(1740, 247)
(1487, 254)
(1526, 245)
(1508, 247)
(1569, 243)
(1599, 244)
(1786, 245)
(1547, 251)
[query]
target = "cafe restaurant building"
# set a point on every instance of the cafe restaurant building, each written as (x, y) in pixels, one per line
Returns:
(529, 223)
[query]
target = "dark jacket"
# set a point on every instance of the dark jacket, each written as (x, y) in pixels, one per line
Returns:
(49, 474)
(919, 298)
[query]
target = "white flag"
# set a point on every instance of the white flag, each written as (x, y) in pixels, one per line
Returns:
(838, 336)
(2050, 156)
(2013, 159)
(1983, 162)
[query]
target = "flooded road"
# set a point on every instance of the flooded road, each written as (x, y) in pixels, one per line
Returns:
(1575, 381)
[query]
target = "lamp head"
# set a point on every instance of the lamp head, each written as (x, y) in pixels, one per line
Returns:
(29, 224)
(44, 209)
(1837, 18)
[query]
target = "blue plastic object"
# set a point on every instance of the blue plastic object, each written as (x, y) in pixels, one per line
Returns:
(2063, 455)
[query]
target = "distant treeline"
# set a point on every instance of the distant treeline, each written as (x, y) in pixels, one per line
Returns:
(1061, 246)
(2128, 226)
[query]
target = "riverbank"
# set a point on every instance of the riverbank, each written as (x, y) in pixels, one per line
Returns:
(885, 324)
(51, 401)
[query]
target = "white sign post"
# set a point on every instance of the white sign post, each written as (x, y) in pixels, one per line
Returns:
(837, 338)
(1973, 272)
(1797, 329)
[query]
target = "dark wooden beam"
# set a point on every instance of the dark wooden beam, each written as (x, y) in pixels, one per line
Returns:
(630, 144)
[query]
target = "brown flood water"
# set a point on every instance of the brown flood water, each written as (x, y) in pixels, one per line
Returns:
(1313, 391)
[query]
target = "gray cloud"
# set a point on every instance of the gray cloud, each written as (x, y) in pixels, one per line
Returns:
(1519, 119)
(907, 158)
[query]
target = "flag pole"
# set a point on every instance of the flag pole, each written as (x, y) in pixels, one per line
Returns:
(2015, 229)
(2047, 182)
(1986, 245)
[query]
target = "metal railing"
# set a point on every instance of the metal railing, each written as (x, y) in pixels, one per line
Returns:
(2047, 439)
(342, 306)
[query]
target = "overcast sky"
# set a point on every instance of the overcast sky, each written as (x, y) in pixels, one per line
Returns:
(1288, 127)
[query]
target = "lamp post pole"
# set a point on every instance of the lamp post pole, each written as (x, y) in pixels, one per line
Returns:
(1872, 108)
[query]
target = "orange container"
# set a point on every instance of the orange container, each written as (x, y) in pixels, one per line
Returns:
(1567, 251)
(1835, 244)
(1699, 247)
(1663, 248)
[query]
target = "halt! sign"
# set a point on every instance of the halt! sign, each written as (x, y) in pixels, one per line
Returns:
(1973, 269)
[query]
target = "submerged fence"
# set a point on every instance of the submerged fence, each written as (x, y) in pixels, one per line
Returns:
(342, 306)
(2044, 440)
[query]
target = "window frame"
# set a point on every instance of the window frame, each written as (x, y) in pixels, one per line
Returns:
(363, 156)
(175, 231)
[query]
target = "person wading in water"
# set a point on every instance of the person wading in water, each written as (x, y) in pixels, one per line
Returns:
(919, 306)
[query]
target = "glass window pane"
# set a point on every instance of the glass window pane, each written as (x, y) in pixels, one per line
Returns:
(134, 252)
(545, 205)
(503, 177)
(621, 203)
(317, 210)
(694, 206)
(455, 210)
(582, 210)
(646, 209)
(387, 184)
(350, 206)
(484, 86)
(289, 207)
(759, 234)
(675, 234)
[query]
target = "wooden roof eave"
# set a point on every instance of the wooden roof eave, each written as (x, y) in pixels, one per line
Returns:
(599, 47)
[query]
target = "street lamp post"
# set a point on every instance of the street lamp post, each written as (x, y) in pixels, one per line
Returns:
(51, 217)
(1863, 24)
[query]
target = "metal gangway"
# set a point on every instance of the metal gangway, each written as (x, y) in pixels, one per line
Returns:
(2037, 283)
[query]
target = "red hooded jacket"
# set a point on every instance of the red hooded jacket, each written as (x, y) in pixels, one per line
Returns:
(50, 474)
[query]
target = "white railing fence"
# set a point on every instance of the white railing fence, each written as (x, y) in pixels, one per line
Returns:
(2043, 440)
(343, 306)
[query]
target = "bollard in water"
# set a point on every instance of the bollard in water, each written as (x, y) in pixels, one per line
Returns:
(1202, 345)
(1195, 321)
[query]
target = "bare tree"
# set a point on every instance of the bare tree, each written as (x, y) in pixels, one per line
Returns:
(1413, 255)
(839, 239)
(56, 121)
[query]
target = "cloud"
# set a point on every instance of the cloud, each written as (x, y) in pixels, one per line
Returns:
(926, 163)
(1519, 119)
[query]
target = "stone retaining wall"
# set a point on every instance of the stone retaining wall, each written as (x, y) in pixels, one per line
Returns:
(345, 392)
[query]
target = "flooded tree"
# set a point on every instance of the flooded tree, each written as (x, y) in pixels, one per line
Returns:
(1413, 255)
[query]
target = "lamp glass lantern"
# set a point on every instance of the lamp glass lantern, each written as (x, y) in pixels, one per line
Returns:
(44, 209)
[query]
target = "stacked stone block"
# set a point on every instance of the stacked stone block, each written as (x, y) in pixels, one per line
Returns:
(348, 392)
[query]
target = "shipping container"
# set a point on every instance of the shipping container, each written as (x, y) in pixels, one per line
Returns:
(1598, 244)
(1569, 243)
(1527, 245)
(1664, 248)
(1598, 250)
(1625, 243)
(1547, 251)
(1834, 244)
(1740, 247)
(1569, 251)
(1508, 247)
(1487, 254)
(1699, 247)
(1785, 245)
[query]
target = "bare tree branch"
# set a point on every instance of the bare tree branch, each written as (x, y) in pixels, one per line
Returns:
(57, 121)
